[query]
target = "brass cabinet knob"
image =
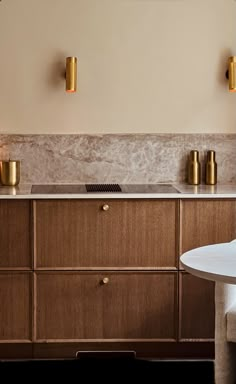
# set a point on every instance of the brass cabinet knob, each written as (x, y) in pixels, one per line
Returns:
(105, 280)
(105, 207)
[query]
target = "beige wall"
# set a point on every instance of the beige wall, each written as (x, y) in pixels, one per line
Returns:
(152, 66)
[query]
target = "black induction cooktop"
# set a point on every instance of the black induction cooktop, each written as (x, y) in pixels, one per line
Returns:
(102, 188)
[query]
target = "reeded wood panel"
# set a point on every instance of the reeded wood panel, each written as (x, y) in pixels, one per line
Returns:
(15, 233)
(130, 306)
(197, 308)
(16, 306)
(132, 233)
(207, 222)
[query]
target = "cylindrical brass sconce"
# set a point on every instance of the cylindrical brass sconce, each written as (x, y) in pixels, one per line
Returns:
(71, 74)
(232, 74)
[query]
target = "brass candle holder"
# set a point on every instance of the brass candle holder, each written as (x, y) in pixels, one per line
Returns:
(10, 172)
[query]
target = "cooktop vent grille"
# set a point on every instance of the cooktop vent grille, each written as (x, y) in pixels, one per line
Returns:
(103, 188)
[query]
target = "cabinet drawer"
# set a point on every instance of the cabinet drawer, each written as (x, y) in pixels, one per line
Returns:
(16, 306)
(83, 234)
(15, 234)
(74, 306)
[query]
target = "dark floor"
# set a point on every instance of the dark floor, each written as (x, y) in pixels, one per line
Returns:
(112, 370)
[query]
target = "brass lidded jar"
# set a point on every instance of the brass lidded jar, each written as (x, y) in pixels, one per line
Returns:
(194, 168)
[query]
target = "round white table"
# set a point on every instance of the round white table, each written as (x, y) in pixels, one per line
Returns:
(218, 263)
(215, 262)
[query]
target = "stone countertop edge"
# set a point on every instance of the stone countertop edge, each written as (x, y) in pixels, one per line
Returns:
(185, 191)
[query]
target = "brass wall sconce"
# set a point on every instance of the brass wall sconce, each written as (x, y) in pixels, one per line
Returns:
(71, 74)
(231, 73)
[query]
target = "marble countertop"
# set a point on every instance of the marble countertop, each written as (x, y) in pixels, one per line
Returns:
(146, 191)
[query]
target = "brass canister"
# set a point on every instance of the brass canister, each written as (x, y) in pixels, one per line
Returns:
(194, 168)
(211, 168)
(10, 172)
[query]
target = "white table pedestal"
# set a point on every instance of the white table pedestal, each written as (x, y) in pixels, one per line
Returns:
(225, 352)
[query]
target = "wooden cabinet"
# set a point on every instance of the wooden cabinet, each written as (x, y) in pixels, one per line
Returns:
(16, 306)
(132, 234)
(120, 306)
(203, 222)
(132, 243)
(55, 257)
(15, 224)
(16, 301)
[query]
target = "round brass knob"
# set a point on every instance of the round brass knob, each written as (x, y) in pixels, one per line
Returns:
(105, 280)
(105, 207)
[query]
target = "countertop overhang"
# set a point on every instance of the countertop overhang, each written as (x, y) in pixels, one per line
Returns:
(139, 191)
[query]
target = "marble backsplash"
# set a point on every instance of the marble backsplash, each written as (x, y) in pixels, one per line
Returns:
(115, 158)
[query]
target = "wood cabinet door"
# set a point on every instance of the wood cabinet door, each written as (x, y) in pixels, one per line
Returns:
(16, 306)
(203, 222)
(15, 234)
(128, 306)
(103, 234)
(197, 309)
